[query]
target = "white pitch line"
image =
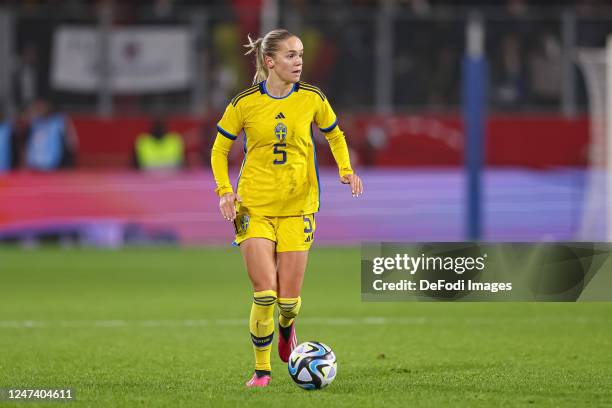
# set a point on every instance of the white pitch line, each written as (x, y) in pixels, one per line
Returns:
(337, 321)
(37, 324)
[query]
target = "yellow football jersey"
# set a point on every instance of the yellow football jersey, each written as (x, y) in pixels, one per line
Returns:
(279, 173)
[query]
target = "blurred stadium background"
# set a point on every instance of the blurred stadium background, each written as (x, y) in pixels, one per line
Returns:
(393, 70)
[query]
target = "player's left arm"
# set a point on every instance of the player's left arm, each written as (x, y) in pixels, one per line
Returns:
(327, 122)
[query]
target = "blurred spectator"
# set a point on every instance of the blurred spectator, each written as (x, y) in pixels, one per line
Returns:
(8, 144)
(354, 60)
(225, 79)
(545, 69)
(341, 40)
(593, 26)
(417, 7)
(508, 75)
(444, 64)
(159, 149)
(517, 8)
(444, 78)
(26, 76)
(51, 140)
(163, 8)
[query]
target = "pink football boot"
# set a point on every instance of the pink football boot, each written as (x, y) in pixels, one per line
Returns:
(259, 381)
(286, 346)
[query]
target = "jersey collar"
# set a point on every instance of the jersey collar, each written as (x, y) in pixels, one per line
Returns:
(264, 90)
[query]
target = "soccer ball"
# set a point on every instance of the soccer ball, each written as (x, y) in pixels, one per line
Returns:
(312, 365)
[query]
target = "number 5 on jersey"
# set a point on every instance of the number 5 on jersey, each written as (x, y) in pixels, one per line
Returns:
(279, 148)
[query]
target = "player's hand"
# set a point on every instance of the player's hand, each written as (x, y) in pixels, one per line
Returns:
(227, 205)
(355, 182)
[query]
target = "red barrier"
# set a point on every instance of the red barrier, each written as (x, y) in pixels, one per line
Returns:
(398, 140)
(533, 141)
(537, 141)
(109, 142)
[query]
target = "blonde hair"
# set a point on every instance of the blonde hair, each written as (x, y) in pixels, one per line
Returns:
(266, 46)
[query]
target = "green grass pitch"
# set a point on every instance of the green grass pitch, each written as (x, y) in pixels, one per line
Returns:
(168, 327)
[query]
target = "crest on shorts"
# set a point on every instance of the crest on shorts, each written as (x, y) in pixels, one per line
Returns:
(280, 131)
(244, 222)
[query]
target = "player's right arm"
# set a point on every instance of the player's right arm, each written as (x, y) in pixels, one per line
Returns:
(228, 129)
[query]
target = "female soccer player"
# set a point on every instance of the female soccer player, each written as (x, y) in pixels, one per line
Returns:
(278, 186)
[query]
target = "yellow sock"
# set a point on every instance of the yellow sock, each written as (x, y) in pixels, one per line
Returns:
(261, 325)
(288, 310)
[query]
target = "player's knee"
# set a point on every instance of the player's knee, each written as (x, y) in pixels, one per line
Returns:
(289, 307)
(264, 285)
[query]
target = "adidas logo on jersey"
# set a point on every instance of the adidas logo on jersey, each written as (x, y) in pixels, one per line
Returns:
(280, 116)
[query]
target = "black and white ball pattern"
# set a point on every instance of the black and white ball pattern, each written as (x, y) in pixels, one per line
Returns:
(312, 365)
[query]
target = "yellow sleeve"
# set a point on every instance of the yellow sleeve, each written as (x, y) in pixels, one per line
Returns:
(218, 163)
(230, 124)
(228, 129)
(327, 122)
